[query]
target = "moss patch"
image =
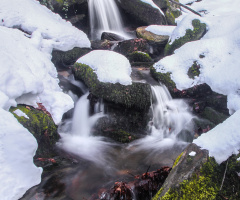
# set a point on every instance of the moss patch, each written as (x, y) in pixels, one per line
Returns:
(194, 70)
(136, 95)
(198, 31)
(177, 160)
(164, 78)
(41, 126)
(138, 56)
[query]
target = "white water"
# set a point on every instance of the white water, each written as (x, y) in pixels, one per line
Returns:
(105, 17)
(170, 118)
(79, 140)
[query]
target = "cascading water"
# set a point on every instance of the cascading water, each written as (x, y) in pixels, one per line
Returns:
(79, 140)
(105, 17)
(171, 117)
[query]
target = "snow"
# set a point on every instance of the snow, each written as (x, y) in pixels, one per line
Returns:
(192, 153)
(20, 113)
(161, 29)
(150, 2)
(219, 66)
(28, 34)
(109, 66)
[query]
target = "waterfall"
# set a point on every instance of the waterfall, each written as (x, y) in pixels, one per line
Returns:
(170, 118)
(79, 140)
(104, 16)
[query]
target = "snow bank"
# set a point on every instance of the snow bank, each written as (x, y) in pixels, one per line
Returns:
(17, 148)
(28, 76)
(109, 66)
(219, 61)
(223, 140)
(161, 29)
(32, 17)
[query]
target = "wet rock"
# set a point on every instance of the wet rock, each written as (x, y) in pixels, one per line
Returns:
(137, 95)
(40, 124)
(199, 29)
(129, 46)
(195, 175)
(143, 12)
(62, 59)
(102, 44)
(111, 37)
(138, 56)
(151, 37)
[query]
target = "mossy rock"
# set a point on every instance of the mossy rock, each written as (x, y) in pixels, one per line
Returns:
(164, 78)
(138, 56)
(194, 70)
(199, 177)
(213, 115)
(151, 37)
(129, 46)
(199, 29)
(41, 126)
(172, 12)
(66, 58)
(143, 12)
(136, 95)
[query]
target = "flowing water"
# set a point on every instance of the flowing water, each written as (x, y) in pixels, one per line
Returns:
(108, 162)
(105, 17)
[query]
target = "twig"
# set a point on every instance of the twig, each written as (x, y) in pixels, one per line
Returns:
(224, 176)
(148, 169)
(195, 12)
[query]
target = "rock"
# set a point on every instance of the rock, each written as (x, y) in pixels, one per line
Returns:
(195, 175)
(151, 37)
(102, 44)
(199, 29)
(143, 12)
(136, 95)
(62, 59)
(41, 125)
(111, 37)
(129, 46)
(139, 56)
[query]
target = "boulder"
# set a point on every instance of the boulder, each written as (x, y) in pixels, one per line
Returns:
(151, 37)
(62, 59)
(41, 125)
(136, 95)
(102, 44)
(195, 175)
(139, 56)
(129, 46)
(199, 29)
(111, 37)
(143, 12)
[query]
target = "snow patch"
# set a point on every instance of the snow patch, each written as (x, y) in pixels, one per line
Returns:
(192, 153)
(109, 66)
(20, 113)
(161, 29)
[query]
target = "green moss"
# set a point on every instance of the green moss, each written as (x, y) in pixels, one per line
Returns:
(136, 95)
(213, 116)
(177, 160)
(164, 78)
(194, 70)
(138, 56)
(41, 126)
(191, 35)
(120, 136)
(207, 183)
(158, 193)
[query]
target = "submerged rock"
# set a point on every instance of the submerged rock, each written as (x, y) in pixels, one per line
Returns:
(137, 95)
(195, 175)
(199, 29)
(41, 125)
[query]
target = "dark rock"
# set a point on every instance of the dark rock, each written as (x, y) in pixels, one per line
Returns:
(41, 125)
(199, 29)
(142, 11)
(129, 46)
(102, 44)
(62, 59)
(137, 95)
(111, 37)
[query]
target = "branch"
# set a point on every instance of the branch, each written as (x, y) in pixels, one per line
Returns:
(224, 175)
(186, 8)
